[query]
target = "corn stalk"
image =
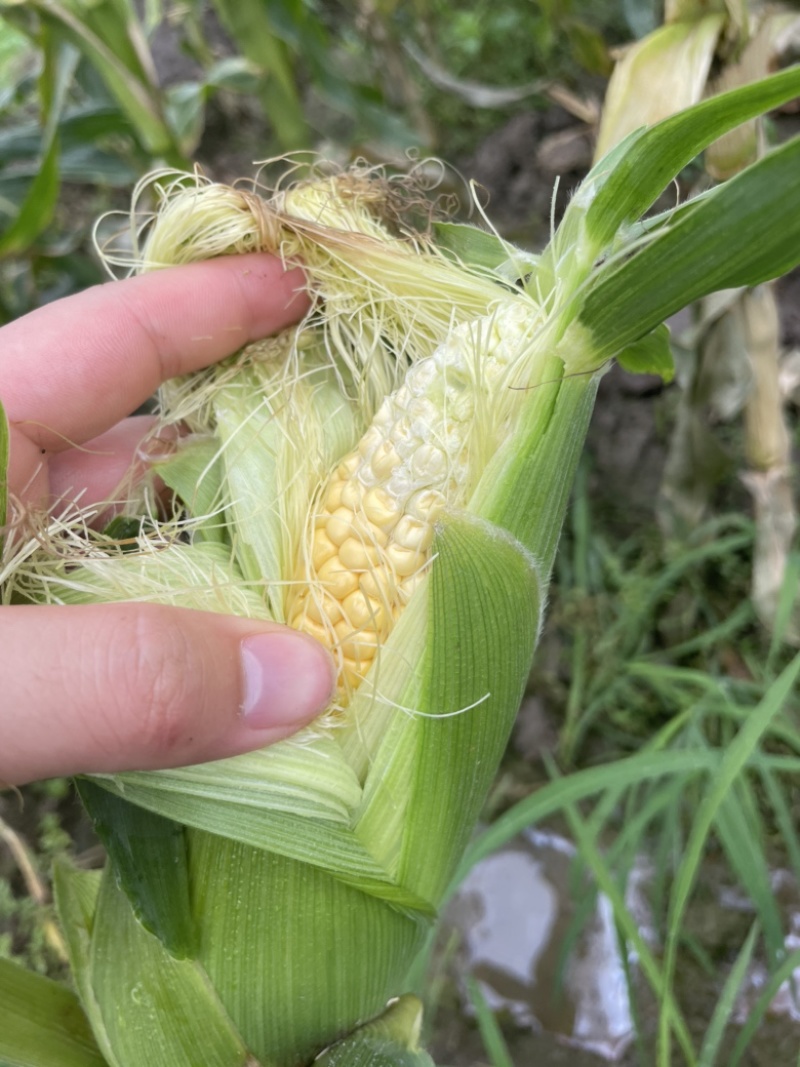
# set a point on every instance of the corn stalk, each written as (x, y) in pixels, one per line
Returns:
(262, 910)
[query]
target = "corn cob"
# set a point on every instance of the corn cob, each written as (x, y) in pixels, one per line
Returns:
(372, 529)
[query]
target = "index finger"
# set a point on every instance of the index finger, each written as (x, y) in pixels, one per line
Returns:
(74, 368)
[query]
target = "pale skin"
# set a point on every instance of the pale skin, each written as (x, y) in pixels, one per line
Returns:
(114, 687)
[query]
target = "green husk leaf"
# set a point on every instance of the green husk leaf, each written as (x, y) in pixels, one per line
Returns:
(194, 473)
(148, 856)
(302, 986)
(201, 576)
(482, 249)
(257, 416)
(43, 1023)
(525, 489)
(391, 1040)
(76, 894)
(623, 185)
(334, 849)
(156, 1009)
(682, 261)
(651, 354)
(484, 614)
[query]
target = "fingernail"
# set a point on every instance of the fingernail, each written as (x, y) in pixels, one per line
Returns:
(287, 679)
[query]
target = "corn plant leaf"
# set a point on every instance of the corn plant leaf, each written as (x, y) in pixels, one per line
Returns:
(388, 1041)
(651, 354)
(148, 855)
(156, 1009)
(680, 263)
(108, 35)
(37, 208)
(43, 1023)
(251, 26)
(623, 185)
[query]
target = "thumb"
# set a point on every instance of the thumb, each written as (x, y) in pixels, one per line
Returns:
(114, 687)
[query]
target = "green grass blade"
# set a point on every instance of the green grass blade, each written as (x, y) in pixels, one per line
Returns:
(733, 762)
(740, 830)
(629, 930)
(43, 1024)
(783, 974)
(727, 999)
(555, 796)
(781, 812)
(491, 1034)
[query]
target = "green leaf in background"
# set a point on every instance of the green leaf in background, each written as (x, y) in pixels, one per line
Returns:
(251, 26)
(651, 354)
(107, 32)
(148, 853)
(42, 1023)
(37, 208)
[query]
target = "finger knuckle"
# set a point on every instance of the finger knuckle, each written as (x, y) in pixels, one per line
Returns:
(166, 679)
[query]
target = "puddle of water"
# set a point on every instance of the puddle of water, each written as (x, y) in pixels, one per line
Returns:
(514, 912)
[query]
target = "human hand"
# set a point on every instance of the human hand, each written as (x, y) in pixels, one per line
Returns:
(113, 687)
